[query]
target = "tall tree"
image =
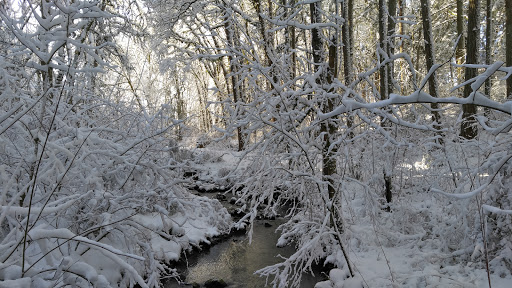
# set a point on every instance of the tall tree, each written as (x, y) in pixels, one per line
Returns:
(459, 52)
(387, 13)
(347, 41)
(430, 59)
(488, 50)
(390, 47)
(316, 38)
(488, 41)
(508, 31)
(347, 28)
(387, 23)
(290, 34)
(229, 30)
(267, 39)
(327, 128)
(383, 48)
(401, 30)
(329, 161)
(468, 127)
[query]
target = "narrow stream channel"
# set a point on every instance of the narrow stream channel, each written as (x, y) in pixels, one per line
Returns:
(235, 260)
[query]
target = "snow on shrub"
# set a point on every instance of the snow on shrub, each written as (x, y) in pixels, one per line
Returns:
(89, 192)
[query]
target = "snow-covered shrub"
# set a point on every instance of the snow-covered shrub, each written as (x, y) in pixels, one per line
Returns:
(497, 209)
(103, 207)
(449, 194)
(88, 190)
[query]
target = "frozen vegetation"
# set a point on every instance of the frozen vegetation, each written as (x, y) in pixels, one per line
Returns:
(114, 115)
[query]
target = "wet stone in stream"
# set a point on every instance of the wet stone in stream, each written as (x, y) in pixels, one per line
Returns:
(215, 283)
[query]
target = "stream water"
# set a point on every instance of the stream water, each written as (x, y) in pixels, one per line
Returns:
(234, 260)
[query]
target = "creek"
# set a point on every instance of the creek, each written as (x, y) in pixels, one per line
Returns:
(234, 260)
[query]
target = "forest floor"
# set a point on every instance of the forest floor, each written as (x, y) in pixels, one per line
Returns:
(407, 247)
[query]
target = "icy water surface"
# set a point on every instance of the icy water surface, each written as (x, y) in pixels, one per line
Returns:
(235, 260)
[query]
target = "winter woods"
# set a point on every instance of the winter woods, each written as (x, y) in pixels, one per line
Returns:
(369, 123)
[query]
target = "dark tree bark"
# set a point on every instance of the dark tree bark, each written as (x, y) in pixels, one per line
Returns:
(386, 29)
(390, 43)
(229, 30)
(267, 39)
(488, 50)
(346, 38)
(401, 13)
(468, 127)
(347, 41)
(459, 52)
(508, 31)
(327, 127)
(430, 60)
(290, 36)
(383, 46)
(316, 39)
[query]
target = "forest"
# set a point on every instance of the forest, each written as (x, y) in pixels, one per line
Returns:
(378, 131)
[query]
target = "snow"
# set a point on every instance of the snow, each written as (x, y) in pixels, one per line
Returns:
(93, 194)
(62, 233)
(103, 264)
(18, 283)
(496, 210)
(339, 278)
(11, 272)
(406, 248)
(480, 80)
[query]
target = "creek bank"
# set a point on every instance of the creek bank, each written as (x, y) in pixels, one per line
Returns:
(230, 258)
(192, 255)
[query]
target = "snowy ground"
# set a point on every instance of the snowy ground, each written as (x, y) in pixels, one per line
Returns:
(405, 248)
(409, 247)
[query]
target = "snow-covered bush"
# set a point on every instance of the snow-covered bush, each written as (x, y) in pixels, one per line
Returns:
(449, 196)
(89, 193)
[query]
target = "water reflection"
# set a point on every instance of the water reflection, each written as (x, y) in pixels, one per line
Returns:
(235, 260)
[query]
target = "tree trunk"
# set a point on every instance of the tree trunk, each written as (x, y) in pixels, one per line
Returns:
(267, 40)
(293, 45)
(430, 60)
(289, 34)
(386, 77)
(234, 77)
(316, 40)
(383, 46)
(459, 52)
(390, 44)
(180, 108)
(347, 52)
(508, 29)
(488, 56)
(401, 13)
(327, 128)
(347, 42)
(468, 128)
